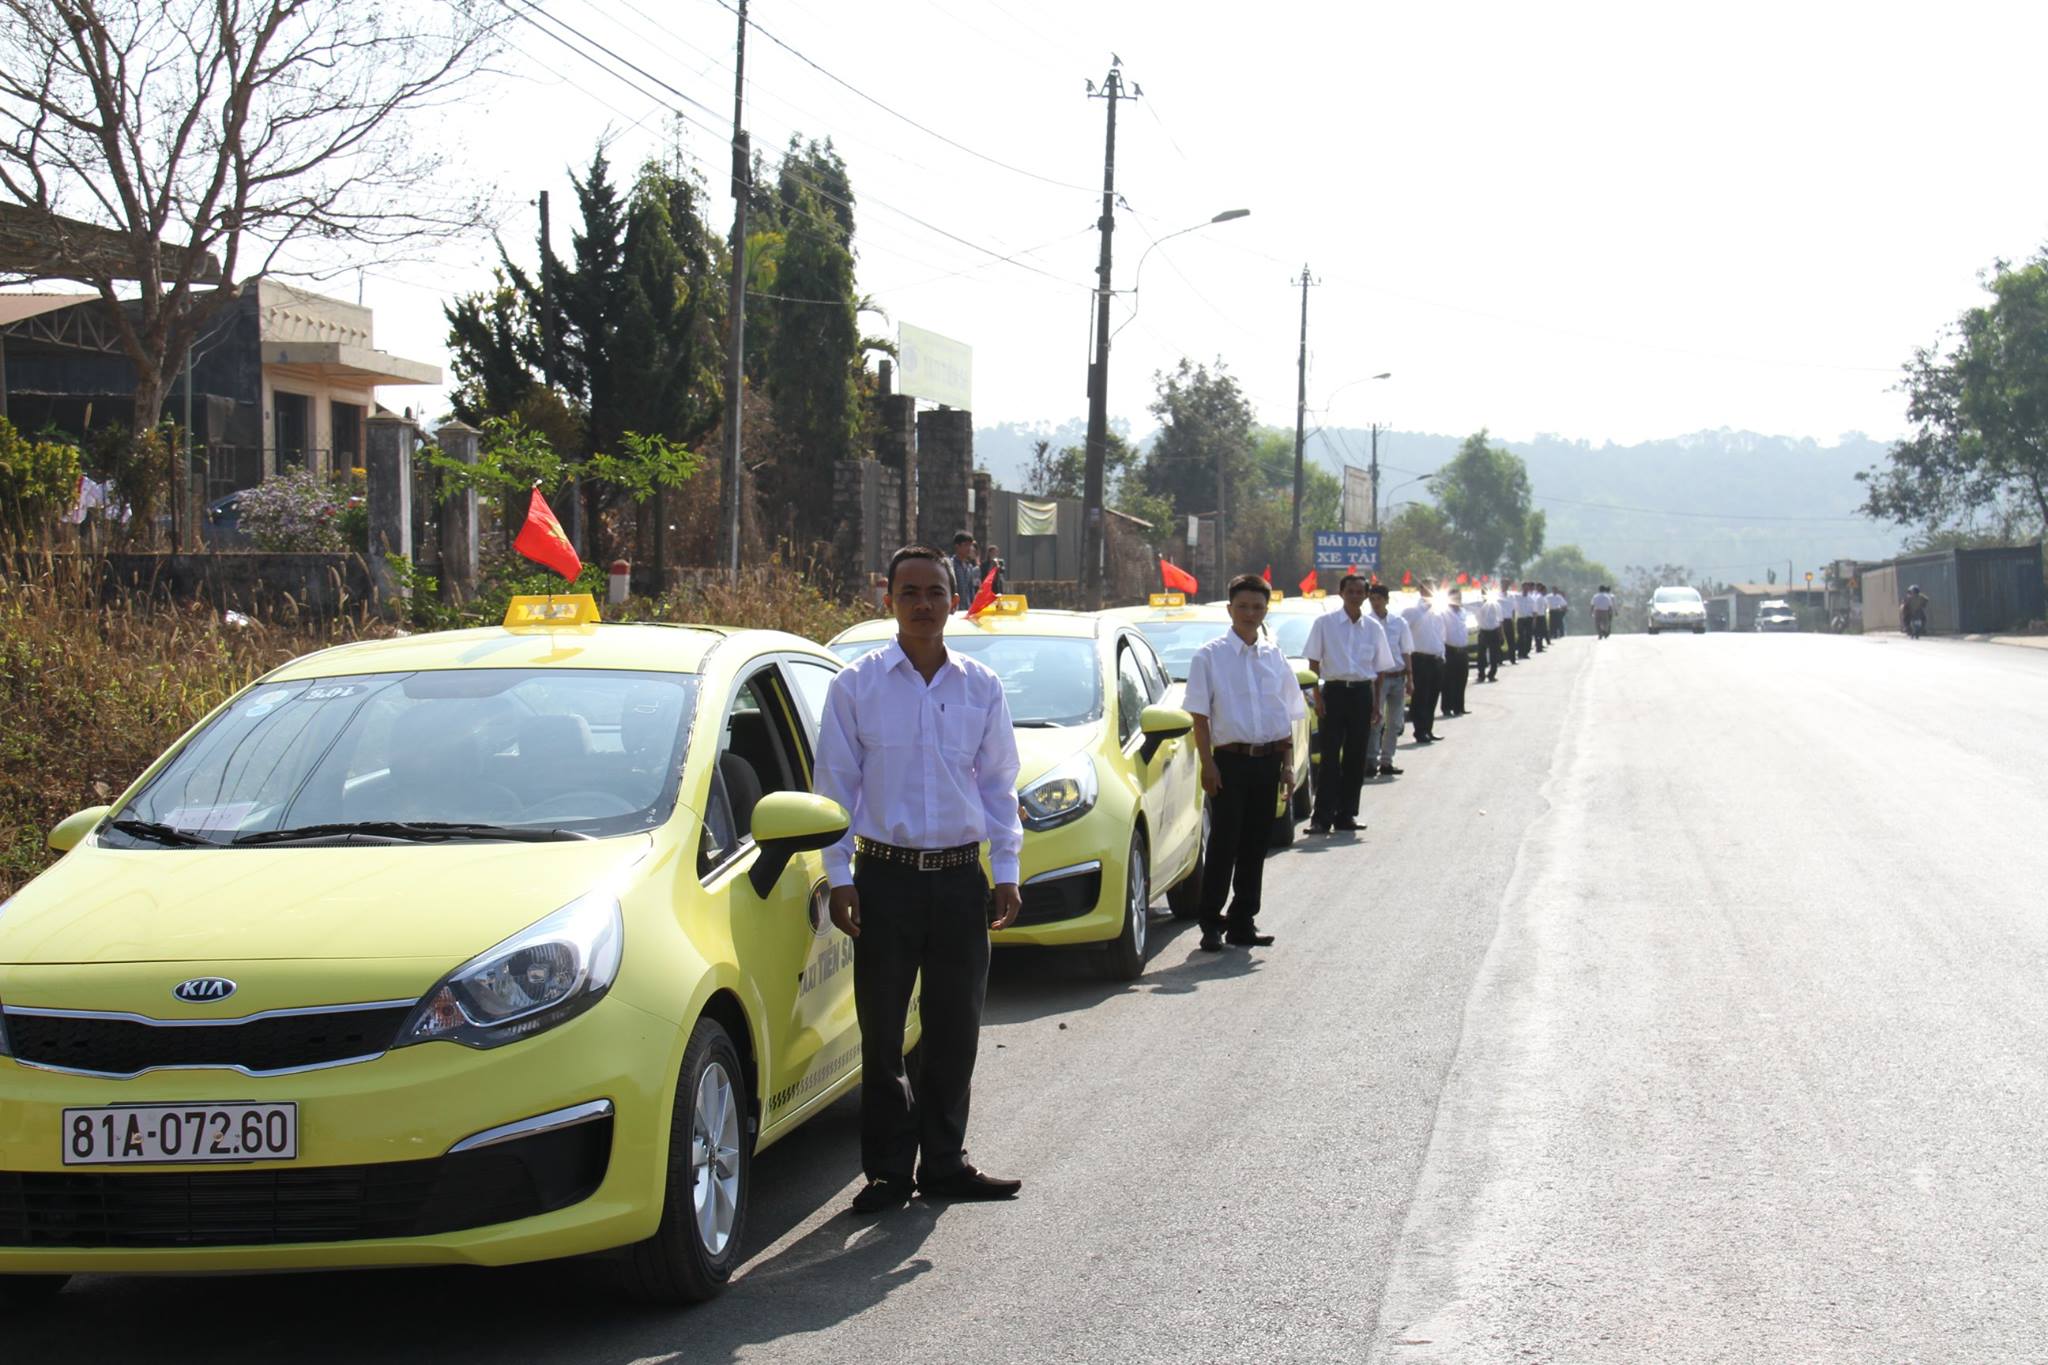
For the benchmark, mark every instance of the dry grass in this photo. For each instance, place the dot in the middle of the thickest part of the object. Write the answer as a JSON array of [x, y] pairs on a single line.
[[94, 690]]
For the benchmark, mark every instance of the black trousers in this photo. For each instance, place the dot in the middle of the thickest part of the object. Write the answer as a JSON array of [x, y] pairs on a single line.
[[1455, 675], [1429, 686], [1343, 735], [1540, 627], [1240, 828], [1557, 623], [1490, 651], [1525, 635], [937, 922]]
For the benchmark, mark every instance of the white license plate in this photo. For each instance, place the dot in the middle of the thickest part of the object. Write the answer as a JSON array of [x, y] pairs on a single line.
[[135, 1134]]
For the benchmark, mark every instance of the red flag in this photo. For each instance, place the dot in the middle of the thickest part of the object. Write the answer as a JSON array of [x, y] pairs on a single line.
[[1267, 574], [985, 595], [1407, 579], [1308, 585], [543, 541], [1176, 578], [1461, 580]]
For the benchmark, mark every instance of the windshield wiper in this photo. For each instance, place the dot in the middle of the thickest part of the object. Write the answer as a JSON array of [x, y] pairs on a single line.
[[415, 831], [162, 834], [1037, 725]]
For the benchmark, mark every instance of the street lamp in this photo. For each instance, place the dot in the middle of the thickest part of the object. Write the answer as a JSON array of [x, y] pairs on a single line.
[[1138, 275], [1098, 405]]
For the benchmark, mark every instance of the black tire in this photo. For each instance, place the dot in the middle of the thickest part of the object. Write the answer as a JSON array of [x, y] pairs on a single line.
[[1699, 630], [1184, 897], [1652, 630], [675, 1265], [1305, 798], [1126, 955], [1283, 828], [25, 1293]]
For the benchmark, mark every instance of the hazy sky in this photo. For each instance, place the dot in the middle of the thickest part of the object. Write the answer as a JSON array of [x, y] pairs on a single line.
[[1608, 221]]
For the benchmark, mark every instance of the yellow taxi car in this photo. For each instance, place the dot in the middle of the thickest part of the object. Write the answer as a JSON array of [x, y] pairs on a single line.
[[1177, 628], [489, 946], [1109, 788]]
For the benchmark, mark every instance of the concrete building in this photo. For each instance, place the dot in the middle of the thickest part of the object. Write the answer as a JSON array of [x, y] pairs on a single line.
[[283, 379]]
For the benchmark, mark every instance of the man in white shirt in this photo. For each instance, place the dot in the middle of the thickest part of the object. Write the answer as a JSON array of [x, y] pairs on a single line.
[[1539, 615], [1395, 683], [1245, 699], [1348, 650], [1525, 619], [1603, 611], [1425, 664], [1457, 635], [917, 745], [1490, 648], [1556, 602]]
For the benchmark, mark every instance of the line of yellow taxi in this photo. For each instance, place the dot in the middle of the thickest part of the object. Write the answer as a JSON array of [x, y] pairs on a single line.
[[511, 944]]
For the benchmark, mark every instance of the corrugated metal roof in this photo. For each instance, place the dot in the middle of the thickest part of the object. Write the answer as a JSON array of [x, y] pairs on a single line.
[[20, 307]]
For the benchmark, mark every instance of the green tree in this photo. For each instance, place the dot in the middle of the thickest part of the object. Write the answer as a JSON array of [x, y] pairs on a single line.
[[1566, 568], [1418, 541], [812, 367], [1061, 473], [1204, 421], [1484, 494], [1978, 402]]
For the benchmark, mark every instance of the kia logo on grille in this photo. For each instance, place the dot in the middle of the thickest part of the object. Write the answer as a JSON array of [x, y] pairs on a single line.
[[203, 990]]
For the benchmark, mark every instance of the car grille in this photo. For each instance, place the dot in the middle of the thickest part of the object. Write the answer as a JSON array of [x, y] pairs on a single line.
[[1062, 898], [219, 1208], [110, 1046]]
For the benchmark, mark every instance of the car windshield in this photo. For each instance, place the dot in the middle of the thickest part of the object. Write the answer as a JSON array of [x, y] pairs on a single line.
[[1176, 641], [849, 650], [586, 751], [1677, 595], [1047, 680]]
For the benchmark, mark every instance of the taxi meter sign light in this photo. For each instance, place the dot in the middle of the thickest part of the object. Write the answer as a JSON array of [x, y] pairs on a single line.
[[1167, 599], [572, 609]]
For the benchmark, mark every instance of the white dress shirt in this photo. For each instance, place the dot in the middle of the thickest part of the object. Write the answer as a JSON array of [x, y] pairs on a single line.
[[1400, 640], [1426, 623], [1489, 614], [1346, 650], [1603, 601], [1456, 633], [920, 765], [1555, 601], [1248, 692], [1517, 605]]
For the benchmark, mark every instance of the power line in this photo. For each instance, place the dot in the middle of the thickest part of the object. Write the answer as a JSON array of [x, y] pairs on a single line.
[[898, 114]]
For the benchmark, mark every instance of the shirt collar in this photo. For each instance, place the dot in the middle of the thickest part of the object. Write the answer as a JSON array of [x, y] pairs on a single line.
[[894, 658]]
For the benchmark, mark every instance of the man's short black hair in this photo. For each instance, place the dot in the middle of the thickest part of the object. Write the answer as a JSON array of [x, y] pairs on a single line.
[[1377, 590], [963, 538], [1250, 582], [917, 552], [1348, 579]]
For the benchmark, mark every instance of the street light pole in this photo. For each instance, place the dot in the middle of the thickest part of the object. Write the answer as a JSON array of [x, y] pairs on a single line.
[[1300, 425]]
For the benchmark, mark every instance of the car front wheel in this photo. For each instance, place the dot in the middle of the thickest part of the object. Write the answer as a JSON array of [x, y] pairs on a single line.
[[1127, 950], [1184, 897], [20, 1293], [710, 1168]]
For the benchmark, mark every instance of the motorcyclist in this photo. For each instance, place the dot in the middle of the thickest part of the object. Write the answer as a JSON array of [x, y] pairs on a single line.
[[1913, 611]]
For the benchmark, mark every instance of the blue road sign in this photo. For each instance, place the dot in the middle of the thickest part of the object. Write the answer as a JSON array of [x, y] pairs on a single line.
[[1341, 549]]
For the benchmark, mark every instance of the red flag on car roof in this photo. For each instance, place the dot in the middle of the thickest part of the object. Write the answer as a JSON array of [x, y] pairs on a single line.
[[1175, 577], [985, 595], [1407, 579], [1267, 574], [1308, 585], [1461, 580], [543, 541]]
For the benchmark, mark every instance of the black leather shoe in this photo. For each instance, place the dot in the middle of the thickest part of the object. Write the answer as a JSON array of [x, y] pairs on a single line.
[[1210, 944], [880, 1196], [1314, 828], [1389, 770], [1347, 827], [1249, 940], [968, 1183]]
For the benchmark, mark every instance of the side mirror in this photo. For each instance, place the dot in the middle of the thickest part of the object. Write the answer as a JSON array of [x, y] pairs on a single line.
[[786, 824], [72, 828], [1307, 677], [1159, 724]]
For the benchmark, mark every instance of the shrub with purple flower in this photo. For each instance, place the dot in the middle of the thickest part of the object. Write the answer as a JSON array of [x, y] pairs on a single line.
[[296, 512]]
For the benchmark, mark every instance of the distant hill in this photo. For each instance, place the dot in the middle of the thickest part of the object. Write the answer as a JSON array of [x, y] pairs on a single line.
[[1727, 504]]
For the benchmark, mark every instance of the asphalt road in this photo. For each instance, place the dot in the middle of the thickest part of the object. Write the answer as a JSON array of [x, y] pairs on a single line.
[[1685, 1004]]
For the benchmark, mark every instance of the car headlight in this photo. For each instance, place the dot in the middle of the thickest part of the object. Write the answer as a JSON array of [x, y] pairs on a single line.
[[1061, 796], [547, 973]]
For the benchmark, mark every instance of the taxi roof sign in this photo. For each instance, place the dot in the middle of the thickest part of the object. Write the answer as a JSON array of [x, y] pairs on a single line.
[[1007, 604], [568, 609], [1167, 599]]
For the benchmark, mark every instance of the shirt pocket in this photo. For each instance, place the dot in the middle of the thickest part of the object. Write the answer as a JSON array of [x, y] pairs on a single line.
[[960, 730]]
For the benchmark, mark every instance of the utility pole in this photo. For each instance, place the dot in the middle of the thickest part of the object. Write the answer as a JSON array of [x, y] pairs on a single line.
[[1373, 476], [1300, 421], [736, 304], [1098, 370]]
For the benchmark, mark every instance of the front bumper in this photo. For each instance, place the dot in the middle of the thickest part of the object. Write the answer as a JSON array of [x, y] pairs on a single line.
[[379, 1180], [1072, 879]]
